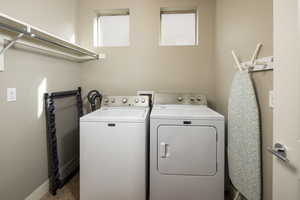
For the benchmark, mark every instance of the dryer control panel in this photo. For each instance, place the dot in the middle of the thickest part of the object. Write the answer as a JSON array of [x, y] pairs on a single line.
[[116, 101], [180, 99]]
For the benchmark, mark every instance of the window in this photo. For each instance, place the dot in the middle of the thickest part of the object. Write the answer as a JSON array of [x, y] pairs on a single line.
[[112, 28], [178, 27]]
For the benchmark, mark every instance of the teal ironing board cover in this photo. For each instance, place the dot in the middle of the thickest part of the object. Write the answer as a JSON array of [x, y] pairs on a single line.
[[244, 137]]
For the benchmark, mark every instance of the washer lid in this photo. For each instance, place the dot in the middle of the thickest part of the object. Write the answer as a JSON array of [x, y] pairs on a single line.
[[184, 111], [117, 114]]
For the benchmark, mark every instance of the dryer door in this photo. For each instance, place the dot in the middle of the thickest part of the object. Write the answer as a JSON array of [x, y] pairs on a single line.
[[187, 150]]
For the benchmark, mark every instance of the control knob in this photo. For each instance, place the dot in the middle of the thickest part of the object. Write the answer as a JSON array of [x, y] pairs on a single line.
[[124, 100], [137, 100], [106, 100], [143, 100], [179, 99]]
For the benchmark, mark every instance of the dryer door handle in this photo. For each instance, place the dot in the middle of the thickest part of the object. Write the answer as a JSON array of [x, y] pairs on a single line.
[[163, 150]]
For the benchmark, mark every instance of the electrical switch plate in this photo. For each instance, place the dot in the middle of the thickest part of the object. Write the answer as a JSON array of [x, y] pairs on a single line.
[[11, 94], [102, 56], [271, 99]]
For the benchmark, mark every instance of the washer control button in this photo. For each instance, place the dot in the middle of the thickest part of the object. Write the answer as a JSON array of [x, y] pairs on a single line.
[[143, 100], [106, 100], [180, 99], [192, 99], [199, 99], [113, 100], [137, 100], [124, 100]]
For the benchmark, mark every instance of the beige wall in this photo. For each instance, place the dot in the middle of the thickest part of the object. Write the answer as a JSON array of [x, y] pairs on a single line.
[[240, 26], [23, 150], [207, 68], [145, 65]]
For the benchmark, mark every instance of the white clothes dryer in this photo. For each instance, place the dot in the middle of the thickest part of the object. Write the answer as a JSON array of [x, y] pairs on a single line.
[[186, 149]]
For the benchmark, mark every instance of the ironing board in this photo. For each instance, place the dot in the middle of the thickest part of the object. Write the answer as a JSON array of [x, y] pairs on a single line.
[[244, 137]]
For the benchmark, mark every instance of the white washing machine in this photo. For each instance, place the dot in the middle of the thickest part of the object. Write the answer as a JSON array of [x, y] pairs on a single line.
[[113, 150], [186, 149]]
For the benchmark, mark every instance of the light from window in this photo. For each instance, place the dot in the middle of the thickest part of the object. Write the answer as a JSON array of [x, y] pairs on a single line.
[[178, 28], [113, 29]]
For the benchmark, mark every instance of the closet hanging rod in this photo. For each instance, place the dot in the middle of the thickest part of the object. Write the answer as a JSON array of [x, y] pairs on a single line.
[[10, 24]]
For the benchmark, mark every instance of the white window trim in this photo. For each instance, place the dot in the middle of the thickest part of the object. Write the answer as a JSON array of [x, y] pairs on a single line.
[[110, 12], [180, 11]]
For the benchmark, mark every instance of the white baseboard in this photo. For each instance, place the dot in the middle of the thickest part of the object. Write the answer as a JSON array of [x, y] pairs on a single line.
[[39, 192]]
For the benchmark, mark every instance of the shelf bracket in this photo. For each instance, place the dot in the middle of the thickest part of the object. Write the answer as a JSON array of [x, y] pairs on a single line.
[[5, 48]]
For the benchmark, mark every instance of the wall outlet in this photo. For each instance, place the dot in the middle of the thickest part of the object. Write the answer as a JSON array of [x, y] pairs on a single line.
[[149, 93], [11, 94], [271, 99]]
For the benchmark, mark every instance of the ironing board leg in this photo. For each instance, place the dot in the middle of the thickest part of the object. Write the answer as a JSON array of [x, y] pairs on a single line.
[[237, 196]]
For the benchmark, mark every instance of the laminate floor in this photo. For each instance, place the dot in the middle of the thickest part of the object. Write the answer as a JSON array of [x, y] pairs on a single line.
[[70, 191]]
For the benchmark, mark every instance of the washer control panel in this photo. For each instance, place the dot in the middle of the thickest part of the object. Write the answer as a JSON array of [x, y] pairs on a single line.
[[125, 101], [180, 98]]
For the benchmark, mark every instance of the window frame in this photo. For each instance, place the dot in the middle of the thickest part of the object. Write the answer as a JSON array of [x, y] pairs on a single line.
[[97, 25], [179, 11]]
